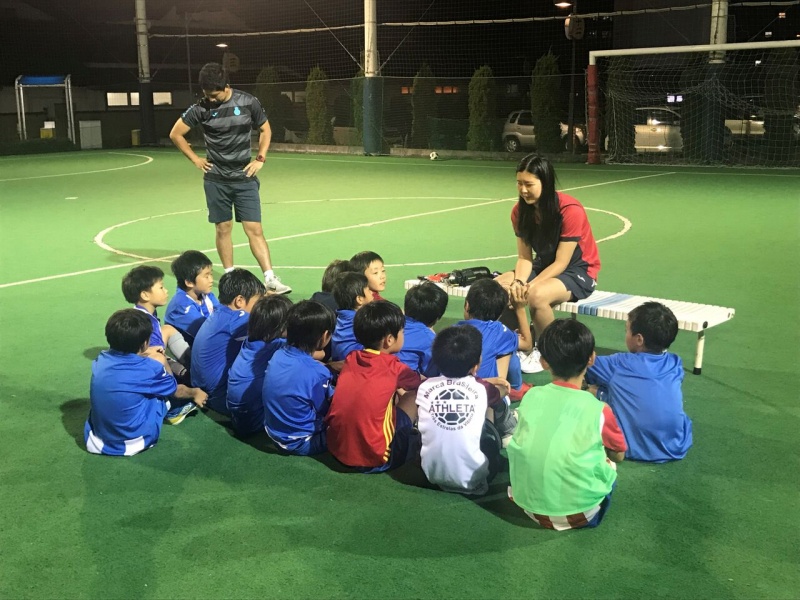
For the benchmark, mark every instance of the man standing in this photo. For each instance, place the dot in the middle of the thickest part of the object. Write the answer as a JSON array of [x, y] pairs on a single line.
[[227, 116]]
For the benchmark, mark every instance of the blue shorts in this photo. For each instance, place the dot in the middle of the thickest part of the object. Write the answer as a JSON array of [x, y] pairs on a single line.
[[315, 444], [575, 279], [403, 447], [241, 196]]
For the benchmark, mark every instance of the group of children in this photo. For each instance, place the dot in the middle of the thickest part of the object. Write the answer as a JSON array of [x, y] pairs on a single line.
[[351, 373]]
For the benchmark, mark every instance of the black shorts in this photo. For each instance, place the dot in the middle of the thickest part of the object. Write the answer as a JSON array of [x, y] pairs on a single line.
[[241, 196], [575, 279]]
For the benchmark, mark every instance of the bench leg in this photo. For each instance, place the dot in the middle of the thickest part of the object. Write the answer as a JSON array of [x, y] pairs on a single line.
[[698, 354]]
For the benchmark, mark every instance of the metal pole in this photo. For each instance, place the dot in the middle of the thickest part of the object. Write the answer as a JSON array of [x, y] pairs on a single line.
[[719, 29], [18, 98], [70, 109], [148, 126], [571, 118], [188, 55], [594, 54], [373, 84]]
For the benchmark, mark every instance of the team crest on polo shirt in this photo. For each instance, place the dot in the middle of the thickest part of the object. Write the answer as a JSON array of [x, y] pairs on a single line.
[[236, 111], [452, 408]]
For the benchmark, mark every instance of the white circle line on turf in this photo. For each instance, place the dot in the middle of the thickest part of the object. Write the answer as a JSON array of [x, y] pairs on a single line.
[[142, 260], [148, 160]]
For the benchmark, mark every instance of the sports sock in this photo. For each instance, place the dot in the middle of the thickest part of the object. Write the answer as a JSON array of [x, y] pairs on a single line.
[[269, 274], [177, 345], [229, 269]]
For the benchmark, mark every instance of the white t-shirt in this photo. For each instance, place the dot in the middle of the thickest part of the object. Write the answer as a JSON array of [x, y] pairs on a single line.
[[451, 416]]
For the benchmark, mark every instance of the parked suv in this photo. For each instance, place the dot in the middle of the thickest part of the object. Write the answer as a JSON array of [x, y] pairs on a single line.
[[518, 133]]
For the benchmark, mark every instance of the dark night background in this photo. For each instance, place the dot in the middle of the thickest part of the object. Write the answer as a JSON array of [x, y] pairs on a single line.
[[95, 40]]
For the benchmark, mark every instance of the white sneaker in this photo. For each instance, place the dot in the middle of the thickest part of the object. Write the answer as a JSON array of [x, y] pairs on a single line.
[[530, 363], [274, 286]]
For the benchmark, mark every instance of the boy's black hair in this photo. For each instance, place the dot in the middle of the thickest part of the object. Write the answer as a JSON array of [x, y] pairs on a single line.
[[362, 260], [239, 282], [487, 299], [140, 279], [188, 266], [457, 349], [656, 323], [127, 330], [213, 77], [376, 320], [426, 303], [348, 287], [268, 318], [567, 346], [306, 322], [332, 272]]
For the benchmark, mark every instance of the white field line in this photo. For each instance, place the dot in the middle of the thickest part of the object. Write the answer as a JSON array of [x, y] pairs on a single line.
[[148, 160], [144, 259]]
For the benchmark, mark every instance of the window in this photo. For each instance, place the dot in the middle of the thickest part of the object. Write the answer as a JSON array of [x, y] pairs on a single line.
[[117, 98], [525, 118], [134, 98], [162, 98], [405, 90]]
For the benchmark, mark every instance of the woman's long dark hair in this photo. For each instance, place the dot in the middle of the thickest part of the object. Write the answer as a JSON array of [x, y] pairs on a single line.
[[545, 234]]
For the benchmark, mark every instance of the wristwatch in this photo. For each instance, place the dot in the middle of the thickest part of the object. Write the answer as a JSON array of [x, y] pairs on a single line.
[[260, 158]]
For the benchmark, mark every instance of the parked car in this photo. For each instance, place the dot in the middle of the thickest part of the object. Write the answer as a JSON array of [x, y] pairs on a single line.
[[658, 129], [518, 132]]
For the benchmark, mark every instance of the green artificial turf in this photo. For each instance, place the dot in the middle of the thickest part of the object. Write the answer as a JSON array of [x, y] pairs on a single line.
[[203, 514]]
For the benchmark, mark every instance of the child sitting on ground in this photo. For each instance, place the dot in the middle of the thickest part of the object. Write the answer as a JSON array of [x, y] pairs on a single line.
[[143, 286], [332, 272], [371, 265], [297, 388], [373, 411], [130, 388], [460, 445], [643, 387], [194, 300], [485, 302], [266, 334], [351, 292], [220, 338], [424, 306], [561, 454]]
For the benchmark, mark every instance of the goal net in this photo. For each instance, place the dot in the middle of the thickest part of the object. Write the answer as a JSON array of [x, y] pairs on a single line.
[[736, 106]]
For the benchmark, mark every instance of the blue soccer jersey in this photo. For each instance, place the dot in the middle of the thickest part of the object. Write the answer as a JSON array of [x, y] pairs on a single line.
[[215, 348], [498, 340], [297, 393], [186, 315], [156, 339], [416, 351], [245, 382], [344, 339], [128, 402], [644, 391]]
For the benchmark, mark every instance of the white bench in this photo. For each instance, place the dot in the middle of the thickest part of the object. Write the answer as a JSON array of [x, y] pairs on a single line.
[[610, 305]]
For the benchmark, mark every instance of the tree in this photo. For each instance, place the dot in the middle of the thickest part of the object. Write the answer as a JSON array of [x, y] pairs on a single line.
[[482, 134], [320, 129], [423, 106], [357, 102], [545, 98], [275, 104]]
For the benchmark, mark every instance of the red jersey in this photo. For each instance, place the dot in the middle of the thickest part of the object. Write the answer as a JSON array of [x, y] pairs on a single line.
[[362, 416], [574, 228]]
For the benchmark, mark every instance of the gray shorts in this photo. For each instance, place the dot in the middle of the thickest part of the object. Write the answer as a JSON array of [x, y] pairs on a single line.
[[222, 198]]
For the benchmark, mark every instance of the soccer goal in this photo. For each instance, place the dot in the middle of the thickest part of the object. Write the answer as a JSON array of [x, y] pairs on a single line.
[[736, 104]]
